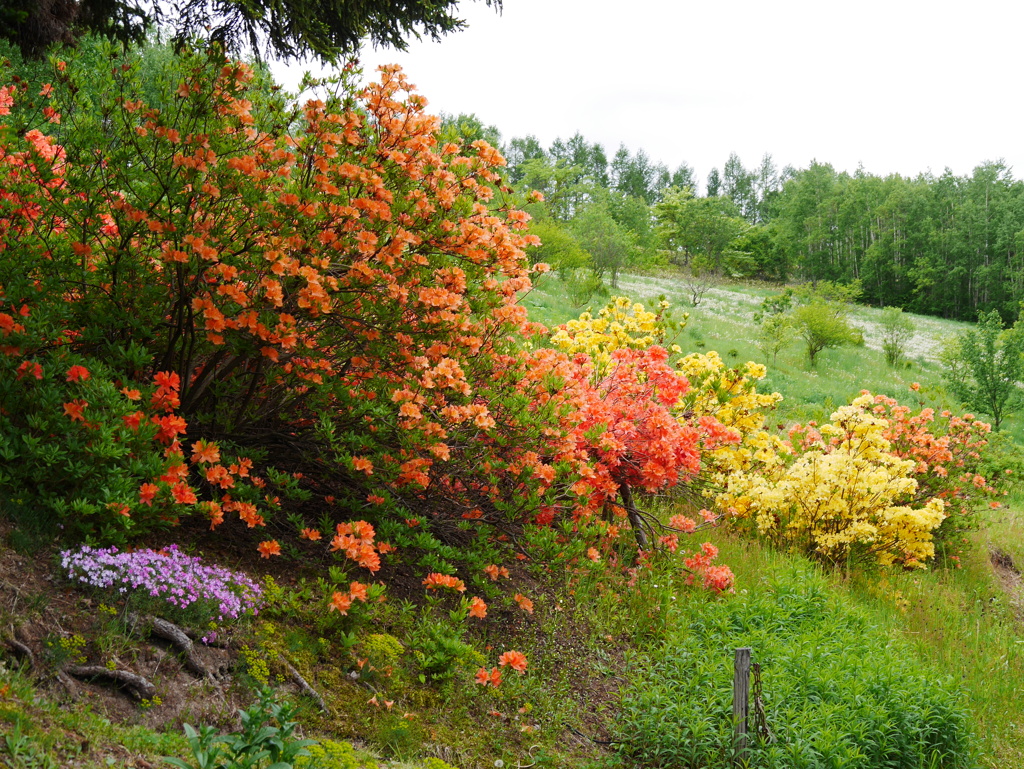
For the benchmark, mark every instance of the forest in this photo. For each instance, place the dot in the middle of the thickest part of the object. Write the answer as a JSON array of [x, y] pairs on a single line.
[[945, 246]]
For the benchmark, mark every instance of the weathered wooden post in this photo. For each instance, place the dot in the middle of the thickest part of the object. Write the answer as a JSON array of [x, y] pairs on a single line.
[[740, 702]]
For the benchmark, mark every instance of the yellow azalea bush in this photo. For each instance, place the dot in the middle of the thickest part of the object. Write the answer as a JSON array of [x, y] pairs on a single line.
[[730, 395], [835, 494], [621, 325]]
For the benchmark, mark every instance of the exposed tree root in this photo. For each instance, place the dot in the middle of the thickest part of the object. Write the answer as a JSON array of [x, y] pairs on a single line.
[[21, 651], [303, 684], [161, 628], [133, 682]]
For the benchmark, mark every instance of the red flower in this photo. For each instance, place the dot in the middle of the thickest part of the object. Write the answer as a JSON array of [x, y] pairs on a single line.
[[75, 408], [30, 369], [78, 374]]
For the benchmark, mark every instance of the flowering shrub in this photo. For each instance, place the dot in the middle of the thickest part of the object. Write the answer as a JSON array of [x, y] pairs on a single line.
[[947, 452], [839, 493], [627, 426], [716, 578], [172, 578], [621, 324], [332, 288], [730, 396]]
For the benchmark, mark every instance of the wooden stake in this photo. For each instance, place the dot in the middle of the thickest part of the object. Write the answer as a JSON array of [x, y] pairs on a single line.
[[740, 702]]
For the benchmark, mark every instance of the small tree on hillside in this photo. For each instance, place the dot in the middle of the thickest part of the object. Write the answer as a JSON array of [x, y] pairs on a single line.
[[897, 330], [823, 325], [822, 317], [610, 245], [994, 362], [773, 336], [774, 326]]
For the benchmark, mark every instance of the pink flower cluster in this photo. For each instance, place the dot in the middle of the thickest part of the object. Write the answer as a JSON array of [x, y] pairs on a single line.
[[169, 574]]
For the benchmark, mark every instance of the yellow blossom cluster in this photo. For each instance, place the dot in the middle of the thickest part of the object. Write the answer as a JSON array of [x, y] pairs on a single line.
[[835, 494], [730, 395], [621, 324]]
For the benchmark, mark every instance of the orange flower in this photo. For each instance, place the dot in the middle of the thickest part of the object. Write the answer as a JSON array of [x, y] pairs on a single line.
[[490, 677], [311, 534], [168, 379], [515, 660], [477, 608], [492, 572], [269, 548], [146, 493], [340, 602], [247, 512], [524, 603], [362, 464], [204, 451], [436, 580], [683, 523], [357, 591], [74, 409], [183, 494], [363, 530], [132, 421]]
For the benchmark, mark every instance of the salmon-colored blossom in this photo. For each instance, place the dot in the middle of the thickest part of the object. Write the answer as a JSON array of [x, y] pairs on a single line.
[[436, 581], [513, 659], [269, 548], [477, 608]]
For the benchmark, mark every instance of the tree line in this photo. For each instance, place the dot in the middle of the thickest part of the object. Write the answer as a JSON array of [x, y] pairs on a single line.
[[944, 245]]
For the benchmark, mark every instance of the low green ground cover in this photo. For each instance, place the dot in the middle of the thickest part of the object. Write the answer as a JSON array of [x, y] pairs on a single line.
[[839, 690]]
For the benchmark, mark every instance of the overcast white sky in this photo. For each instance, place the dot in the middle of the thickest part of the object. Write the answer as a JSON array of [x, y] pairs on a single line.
[[893, 85]]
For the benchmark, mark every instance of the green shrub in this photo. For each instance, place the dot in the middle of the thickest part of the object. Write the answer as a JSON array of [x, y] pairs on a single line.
[[333, 755], [382, 650]]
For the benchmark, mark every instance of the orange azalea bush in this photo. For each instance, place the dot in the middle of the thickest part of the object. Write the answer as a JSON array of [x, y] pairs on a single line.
[[948, 453], [331, 288]]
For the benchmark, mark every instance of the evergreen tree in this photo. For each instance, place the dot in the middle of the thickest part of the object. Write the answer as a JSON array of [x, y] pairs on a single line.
[[324, 28]]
